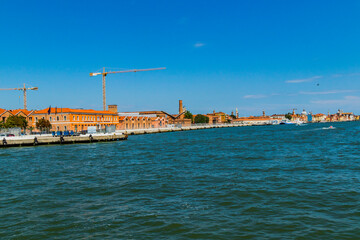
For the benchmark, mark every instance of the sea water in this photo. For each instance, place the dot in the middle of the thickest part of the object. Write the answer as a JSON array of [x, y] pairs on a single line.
[[281, 182]]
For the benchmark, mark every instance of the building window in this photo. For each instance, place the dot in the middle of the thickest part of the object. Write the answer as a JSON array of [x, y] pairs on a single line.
[[78, 118], [65, 128], [57, 118], [50, 119], [64, 118], [36, 119]]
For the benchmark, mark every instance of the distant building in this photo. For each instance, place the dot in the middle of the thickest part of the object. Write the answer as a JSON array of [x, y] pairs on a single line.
[[218, 117], [280, 117], [319, 117], [254, 120], [180, 119], [347, 116], [341, 116], [173, 119], [5, 114], [152, 119], [136, 120], [63, 119]]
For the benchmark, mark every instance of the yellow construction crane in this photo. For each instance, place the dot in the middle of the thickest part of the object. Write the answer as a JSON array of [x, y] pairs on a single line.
[[24, 89], [104, 73]]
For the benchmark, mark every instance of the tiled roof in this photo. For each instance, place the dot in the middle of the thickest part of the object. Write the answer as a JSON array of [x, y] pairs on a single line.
[[70, 110], [221, 113], [17, 111], [2, 111], [252, 119]]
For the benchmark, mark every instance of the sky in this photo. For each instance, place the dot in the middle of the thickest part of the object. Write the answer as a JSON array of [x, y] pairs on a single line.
[[219, 55]]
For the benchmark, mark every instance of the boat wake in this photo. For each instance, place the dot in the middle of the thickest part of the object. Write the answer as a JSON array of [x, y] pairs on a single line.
[[331, 127]]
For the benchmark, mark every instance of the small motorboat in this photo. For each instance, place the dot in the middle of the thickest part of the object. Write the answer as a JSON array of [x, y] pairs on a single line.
[[286, 122], [298, 123], [331, 127]]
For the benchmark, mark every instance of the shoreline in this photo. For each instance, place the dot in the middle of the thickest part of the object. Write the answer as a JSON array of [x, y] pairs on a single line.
[[177, 129], [48, 139], [36, 140]]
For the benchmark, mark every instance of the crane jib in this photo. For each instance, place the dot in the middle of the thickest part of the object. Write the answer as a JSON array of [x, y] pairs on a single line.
[[104, 73]]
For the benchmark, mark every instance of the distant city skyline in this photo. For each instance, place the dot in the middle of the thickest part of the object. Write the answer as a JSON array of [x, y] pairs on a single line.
[[253, 56]]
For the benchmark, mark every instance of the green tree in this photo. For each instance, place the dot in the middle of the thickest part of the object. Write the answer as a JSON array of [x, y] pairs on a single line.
[[43, 124], [201, 119], [233, 116], [188, 115], [288, 116], [16, 121]]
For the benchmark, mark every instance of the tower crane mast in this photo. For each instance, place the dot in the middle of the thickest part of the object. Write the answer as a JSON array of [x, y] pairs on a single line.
[[24, 89]]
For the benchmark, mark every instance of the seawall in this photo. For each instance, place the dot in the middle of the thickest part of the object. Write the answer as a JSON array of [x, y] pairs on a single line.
[[35, 140], [174, 129]]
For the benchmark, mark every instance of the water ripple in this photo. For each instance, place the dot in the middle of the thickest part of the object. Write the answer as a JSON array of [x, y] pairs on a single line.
[[280, 182]]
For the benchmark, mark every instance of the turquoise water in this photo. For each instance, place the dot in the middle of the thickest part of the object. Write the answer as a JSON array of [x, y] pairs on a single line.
[[280, 182]]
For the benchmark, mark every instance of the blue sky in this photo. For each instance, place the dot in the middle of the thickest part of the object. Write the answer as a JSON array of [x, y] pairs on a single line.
[[219, 55]]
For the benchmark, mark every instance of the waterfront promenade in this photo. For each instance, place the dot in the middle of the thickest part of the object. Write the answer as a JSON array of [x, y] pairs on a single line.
[[47, 139], [176, 129]]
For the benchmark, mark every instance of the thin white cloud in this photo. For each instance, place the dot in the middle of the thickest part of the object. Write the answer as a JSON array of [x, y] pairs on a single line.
[[327, 92], [255, 96], [347, 100], [337, 75], [354, 74], [199, 44], [303, 80]]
